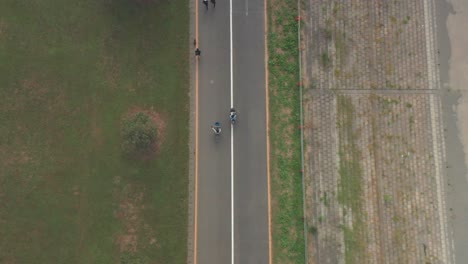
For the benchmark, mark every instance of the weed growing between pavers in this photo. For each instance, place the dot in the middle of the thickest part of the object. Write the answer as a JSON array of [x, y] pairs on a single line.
[[350, 185]]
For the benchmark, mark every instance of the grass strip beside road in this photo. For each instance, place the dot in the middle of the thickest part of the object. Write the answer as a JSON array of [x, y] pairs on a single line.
[[286, 184]]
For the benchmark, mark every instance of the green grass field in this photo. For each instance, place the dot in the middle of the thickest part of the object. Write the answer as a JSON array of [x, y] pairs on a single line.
[[69, 71]]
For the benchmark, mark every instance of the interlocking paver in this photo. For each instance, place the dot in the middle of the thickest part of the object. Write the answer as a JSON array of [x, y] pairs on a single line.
[[374, 147]]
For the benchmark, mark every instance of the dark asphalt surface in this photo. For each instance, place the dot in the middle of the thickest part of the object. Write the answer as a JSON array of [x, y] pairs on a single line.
[[250, 171]]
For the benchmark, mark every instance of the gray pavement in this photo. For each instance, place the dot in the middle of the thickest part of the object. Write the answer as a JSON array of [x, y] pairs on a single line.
[[251, 204], [452, 19], [214, 205], [214, 187]]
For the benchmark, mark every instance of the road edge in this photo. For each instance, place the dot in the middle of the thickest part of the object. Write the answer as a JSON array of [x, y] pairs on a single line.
[[193, 138], [267, 125]]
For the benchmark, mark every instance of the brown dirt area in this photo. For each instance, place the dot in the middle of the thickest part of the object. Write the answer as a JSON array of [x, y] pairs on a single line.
[[136, 234]]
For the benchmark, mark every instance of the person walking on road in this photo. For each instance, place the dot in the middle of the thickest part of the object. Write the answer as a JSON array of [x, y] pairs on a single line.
[[197, 52], [214, 3], [205, 2]]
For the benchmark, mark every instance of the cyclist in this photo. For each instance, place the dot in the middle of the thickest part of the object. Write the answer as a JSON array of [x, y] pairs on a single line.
[[216, 128]]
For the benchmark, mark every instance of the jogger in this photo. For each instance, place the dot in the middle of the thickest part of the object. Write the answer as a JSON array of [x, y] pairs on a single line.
[[205, 2], [214, 3]]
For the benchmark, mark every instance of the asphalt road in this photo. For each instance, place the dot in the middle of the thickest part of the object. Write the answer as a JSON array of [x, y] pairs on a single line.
[[214, 153]]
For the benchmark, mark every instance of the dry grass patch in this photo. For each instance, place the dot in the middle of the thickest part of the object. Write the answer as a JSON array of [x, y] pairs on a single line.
[[136, 234]]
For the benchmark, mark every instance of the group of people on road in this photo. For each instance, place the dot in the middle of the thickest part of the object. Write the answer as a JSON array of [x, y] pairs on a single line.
[[232, 114], [205, 2], [217, 125]]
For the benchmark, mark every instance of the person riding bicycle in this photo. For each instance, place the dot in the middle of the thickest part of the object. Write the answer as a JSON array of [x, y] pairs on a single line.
[[216, 128], [233, 115]]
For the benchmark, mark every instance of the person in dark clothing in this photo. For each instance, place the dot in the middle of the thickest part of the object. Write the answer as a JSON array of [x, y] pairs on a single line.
[[216, 128], [205, 2], [214, 3], [197, 52], [233, 115]]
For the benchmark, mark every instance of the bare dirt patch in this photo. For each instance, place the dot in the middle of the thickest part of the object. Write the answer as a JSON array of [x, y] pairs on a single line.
[[136, 234], [14, 156]]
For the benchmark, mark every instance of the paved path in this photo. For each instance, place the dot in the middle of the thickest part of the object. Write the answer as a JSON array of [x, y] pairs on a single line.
[[249, 153], [251, 210], [452, 42], [376, 105]]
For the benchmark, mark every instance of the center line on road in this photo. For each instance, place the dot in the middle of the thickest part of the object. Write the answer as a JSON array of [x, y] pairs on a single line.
[[246, 7], [195, 217], [232, 139]]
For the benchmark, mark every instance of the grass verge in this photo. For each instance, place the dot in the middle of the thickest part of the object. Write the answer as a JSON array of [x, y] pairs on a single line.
[[286, 183], [69, 72]]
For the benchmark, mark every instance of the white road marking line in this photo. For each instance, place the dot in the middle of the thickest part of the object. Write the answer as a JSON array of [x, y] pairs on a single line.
[[232, 140], [246, 7], [232, 193], [195, 217]]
